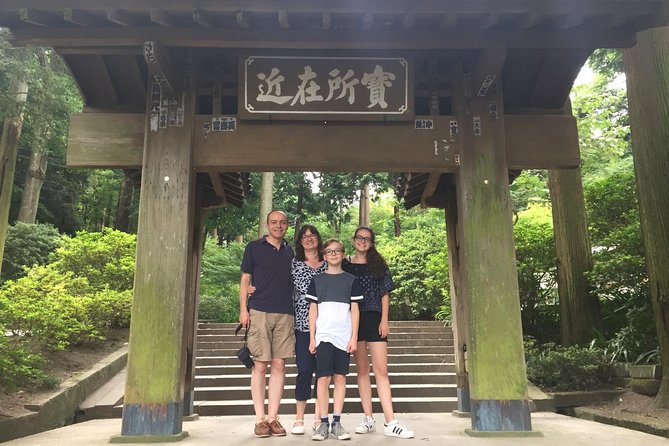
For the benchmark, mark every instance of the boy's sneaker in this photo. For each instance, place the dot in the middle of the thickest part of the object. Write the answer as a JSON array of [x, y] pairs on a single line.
[[397, 429], [337, 431], [321, 433], [366, 426]]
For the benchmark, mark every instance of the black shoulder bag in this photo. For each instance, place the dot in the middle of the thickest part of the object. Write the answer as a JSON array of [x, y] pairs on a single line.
[[244, 354]]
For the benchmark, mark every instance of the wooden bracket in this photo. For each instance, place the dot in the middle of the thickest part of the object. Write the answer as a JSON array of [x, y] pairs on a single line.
[[486, 72]]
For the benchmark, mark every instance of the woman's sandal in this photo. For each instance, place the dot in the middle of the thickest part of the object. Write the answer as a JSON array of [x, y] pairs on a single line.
[[298, 427]]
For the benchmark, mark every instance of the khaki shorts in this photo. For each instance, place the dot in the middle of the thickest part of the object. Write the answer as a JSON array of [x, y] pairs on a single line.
[[271, 336]]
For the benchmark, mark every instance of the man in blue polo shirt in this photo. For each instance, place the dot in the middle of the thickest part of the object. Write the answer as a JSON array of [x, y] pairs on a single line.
[[269, 317]]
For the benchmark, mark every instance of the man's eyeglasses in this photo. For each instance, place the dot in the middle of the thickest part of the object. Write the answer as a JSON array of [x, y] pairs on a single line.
[[308, 236], [332, 252], [363, 239]]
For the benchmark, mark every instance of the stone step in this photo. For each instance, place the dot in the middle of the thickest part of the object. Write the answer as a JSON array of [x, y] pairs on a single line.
[[351, 405], [392, 359], [395, 378], [416, 338], [398, 391], [429, 342], [392, 350], [392, 324], [397, 330], [239, 368]]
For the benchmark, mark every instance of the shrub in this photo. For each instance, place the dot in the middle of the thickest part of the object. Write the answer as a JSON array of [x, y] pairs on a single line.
[[45, 309], [219, 308], [559, 368], [106, 259], [27, 245], [18, 366], [221, 269]]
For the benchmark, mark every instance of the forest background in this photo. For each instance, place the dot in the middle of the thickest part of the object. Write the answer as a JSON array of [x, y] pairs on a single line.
[[68, 263]]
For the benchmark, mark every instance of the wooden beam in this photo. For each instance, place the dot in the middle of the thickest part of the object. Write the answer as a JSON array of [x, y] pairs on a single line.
[[161, 17], [430, 188], [367, 21], [327, 21], [283, 20], [95, 83], [201, 18], [526, 21], [447, 21], [408, 20], [121, 17], [80, 18], [124, 70], [568, 21], [216, 182], [322, 40], [116, 140], [242, 20], [36, 17], [488, 21], [588, 7]]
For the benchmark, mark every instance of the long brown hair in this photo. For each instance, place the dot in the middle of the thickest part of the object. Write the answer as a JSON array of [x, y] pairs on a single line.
[[375, 262], [299, 249]]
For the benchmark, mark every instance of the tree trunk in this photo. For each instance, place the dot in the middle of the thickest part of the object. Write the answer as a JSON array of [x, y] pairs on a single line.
[[647, 71], [396, 220], [363, 213], [300, 205], [9, 143], [35, 175], [580, 315], [125, 195], [266, 189]]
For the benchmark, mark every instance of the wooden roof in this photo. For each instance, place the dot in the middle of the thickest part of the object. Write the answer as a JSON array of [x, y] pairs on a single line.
[[546, 41]]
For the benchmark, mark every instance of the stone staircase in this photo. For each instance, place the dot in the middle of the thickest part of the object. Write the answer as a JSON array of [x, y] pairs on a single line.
[[420, 364]]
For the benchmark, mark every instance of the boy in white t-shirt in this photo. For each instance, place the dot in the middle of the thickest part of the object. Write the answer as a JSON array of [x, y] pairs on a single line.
[[333, 330]]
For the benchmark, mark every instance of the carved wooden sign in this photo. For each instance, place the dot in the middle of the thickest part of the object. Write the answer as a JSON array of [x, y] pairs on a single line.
[[345, 88]]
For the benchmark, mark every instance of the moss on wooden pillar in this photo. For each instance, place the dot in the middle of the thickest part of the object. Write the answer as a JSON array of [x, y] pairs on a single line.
[[154, 384], [496, 362]]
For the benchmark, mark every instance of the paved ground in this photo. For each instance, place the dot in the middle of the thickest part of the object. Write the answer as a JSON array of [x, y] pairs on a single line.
[[437, 429]]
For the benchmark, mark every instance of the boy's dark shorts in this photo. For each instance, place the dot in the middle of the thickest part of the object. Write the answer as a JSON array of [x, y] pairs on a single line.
[[368, 329], [331, 361]]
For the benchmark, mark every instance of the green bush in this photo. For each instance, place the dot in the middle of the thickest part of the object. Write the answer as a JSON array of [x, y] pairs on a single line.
[[27, 245], [536, 264], [219, 308], [18, 366], [106, 259], [417, 260], [557, 368]]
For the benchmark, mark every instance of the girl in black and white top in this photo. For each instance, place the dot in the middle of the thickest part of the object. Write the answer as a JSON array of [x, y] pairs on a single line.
[[371, 269]]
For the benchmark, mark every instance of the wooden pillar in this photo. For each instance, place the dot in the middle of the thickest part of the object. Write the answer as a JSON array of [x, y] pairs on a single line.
[[192, 306], [496, 362], [152, 408], [459, 305]]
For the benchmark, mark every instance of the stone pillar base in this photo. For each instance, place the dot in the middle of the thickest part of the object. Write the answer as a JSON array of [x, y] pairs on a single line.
[[148, 438]]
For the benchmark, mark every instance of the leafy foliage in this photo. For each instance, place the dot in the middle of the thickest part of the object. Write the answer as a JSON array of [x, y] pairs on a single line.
[[27, 245], [536, 264], [75, 299], [105, 259], [417, 260], [219, 281], [619, 275], [559, 368]]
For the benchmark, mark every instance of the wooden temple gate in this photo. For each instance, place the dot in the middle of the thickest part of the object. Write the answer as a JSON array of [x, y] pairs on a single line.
[[462, 94]]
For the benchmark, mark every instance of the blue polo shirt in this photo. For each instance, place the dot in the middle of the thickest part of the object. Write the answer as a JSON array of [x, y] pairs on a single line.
[[270, 274]]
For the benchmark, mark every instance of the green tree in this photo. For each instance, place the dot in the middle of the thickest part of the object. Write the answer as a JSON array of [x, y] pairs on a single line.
[[28, 245]]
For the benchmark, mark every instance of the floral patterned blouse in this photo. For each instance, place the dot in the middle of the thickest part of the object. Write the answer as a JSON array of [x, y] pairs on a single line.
[[302, 274]]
